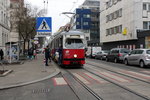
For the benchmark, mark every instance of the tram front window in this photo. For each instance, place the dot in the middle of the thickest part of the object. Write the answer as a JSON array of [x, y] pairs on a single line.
[[74, 43]]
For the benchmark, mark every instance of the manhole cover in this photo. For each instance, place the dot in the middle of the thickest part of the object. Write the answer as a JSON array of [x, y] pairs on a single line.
[[40, 90]]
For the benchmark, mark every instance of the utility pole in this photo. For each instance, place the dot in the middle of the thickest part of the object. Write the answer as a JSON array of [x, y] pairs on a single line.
[[45, 6]]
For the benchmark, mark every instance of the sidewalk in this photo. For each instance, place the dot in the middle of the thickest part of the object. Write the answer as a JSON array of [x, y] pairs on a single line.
[[27, 73]]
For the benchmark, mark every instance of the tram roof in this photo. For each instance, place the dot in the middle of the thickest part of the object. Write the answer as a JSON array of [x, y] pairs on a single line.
[[75, 32]]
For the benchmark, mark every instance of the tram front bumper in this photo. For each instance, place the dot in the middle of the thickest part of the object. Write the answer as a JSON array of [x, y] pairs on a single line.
[[74, 61]]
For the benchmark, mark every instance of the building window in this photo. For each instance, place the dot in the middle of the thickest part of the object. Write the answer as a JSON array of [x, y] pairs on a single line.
[[111, 3], [148, 7], [144, 6], [112, 30], [107, 18], [107, 6], [78, 23], [87, 38], [107, 32], [85, 23], [120, 29], [110, 17], [86, 16], [115, 14], [120, 13], [145, 25], [77, 15], [115, 30]]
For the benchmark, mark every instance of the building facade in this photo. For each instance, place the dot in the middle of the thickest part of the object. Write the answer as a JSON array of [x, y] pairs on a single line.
[[4, 23], [83, 21], [94, 6], [87, 19], [120, 20], [15, 6]]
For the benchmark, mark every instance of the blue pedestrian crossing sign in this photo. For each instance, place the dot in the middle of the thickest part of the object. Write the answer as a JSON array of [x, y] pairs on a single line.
[[44, 24]]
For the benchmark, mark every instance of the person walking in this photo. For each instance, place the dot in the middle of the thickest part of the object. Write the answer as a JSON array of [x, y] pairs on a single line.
[[60, 55], [47, 55], [30, 53], [35, 54], [1, 54]]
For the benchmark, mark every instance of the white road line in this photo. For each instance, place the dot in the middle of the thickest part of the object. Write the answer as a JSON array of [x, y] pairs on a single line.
[[98, 79], [148, 72], [112, 76], [139, 74], [59, 81], [81, 78]]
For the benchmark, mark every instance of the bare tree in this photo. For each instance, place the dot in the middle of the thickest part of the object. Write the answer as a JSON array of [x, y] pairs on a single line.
[[25, 22]]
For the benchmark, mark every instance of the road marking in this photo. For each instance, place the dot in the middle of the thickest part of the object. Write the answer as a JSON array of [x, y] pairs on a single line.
[[96, 78], [148, 72], [138, 74], [81, 78], [59, 81], [114, 77]]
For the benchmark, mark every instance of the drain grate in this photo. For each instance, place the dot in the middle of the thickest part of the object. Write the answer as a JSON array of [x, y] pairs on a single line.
[[35, 91]]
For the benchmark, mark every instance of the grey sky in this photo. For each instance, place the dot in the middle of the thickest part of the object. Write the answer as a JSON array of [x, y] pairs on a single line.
[[55, 8]]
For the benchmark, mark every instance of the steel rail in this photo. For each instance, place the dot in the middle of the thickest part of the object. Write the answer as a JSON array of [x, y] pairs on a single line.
[[120, 73], [82, 84], [123, 87]]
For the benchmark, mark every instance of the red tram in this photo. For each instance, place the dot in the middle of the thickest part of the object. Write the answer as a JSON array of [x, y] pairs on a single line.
[[73, 47]]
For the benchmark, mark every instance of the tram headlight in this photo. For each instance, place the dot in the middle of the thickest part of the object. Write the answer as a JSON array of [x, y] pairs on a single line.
[[75, 55]]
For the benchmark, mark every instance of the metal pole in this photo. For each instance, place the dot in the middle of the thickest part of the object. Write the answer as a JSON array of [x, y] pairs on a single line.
[[10, 53], [18, 50], [82, 23]]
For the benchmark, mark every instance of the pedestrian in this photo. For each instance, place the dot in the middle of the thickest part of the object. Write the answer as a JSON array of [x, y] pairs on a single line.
[[60, 55], [47, 55], [30, 53], [1, 54], [35, 54]]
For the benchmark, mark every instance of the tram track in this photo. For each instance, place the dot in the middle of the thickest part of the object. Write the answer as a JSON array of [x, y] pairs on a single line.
[[121, 86], [148, 82], [66, 73], [81, 83]]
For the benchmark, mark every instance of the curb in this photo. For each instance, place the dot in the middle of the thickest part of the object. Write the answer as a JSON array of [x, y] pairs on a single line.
[[7, 72], [57, 71]]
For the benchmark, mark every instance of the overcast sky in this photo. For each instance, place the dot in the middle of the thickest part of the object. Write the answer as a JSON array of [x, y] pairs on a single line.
[[55, 8]]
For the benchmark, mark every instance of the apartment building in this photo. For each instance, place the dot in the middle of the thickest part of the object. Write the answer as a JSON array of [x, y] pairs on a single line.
[[87, 19], [94, 6], [120, 20], [4, 23]]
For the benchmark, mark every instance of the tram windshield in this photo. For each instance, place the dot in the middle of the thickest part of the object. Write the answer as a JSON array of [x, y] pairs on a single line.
[[74, 43]]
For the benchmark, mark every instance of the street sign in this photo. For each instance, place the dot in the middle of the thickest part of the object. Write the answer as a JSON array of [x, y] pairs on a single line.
[[44, 24], [36, 42]]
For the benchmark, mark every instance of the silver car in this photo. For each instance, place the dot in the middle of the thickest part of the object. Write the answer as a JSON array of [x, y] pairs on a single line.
[[102, 54], [139, 57]]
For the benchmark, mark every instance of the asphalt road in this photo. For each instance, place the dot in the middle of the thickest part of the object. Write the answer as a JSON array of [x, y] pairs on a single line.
[[56, 89]]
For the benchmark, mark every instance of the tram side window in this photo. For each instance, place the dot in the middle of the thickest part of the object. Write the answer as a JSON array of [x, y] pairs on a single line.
[[74, 43]]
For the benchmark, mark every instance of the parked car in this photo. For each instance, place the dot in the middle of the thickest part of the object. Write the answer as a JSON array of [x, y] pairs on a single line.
[[139, 57], [117, 54], [102, 54], [92, 51]]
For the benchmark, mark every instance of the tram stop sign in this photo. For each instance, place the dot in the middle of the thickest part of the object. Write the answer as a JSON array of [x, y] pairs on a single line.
[[44, 26]]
